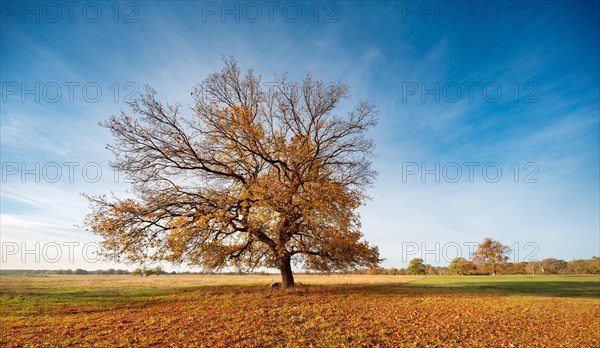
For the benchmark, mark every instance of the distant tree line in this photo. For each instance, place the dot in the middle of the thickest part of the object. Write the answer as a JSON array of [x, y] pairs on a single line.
[[77, 271], [158, 270], [489, 258], [416, 267], [462, 266], [545, 266], [458, 266], [140, 271]]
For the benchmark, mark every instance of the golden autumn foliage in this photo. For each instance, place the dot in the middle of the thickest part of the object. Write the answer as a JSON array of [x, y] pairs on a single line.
[[490, 254], [252, 178]]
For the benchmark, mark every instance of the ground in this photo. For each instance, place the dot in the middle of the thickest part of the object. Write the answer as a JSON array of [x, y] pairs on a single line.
[[230, 310]]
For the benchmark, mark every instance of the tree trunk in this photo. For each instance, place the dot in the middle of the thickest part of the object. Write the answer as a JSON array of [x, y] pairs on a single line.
[[287, 277]]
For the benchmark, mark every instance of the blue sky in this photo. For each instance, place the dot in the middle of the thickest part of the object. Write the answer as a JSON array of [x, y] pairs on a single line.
[[514, 84]]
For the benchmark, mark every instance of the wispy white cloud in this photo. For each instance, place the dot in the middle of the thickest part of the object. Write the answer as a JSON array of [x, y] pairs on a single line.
[[172, 49]]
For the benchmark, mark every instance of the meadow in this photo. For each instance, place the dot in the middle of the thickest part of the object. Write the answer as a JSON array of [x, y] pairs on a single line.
[[323, 310]]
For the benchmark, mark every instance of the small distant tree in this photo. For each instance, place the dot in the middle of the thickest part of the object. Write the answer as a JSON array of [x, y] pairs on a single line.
[[552, 266], [461, 266], [594, 265], [519, 268], [490, 254], [513, 268], [417, 267], [147, 271], [376, 270], [430, 270], [158, 270], [403, 271], [441, 270], [80, 271], [532, 267]]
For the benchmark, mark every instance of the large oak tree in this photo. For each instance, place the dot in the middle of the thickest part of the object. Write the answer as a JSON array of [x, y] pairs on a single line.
[[249, 178]]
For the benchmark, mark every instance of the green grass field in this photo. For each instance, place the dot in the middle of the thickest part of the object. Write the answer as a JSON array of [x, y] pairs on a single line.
[[230, 310]]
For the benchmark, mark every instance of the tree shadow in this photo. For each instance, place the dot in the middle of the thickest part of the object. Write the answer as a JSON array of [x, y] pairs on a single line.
[[552, 288], [588, 288], [110, 299]]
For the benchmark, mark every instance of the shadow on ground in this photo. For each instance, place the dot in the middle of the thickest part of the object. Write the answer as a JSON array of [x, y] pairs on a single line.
[[555, 288]]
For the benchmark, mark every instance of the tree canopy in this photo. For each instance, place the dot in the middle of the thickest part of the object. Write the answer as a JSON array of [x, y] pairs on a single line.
[[491, 253], [417, 267], [249, 178], [461, 266]]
